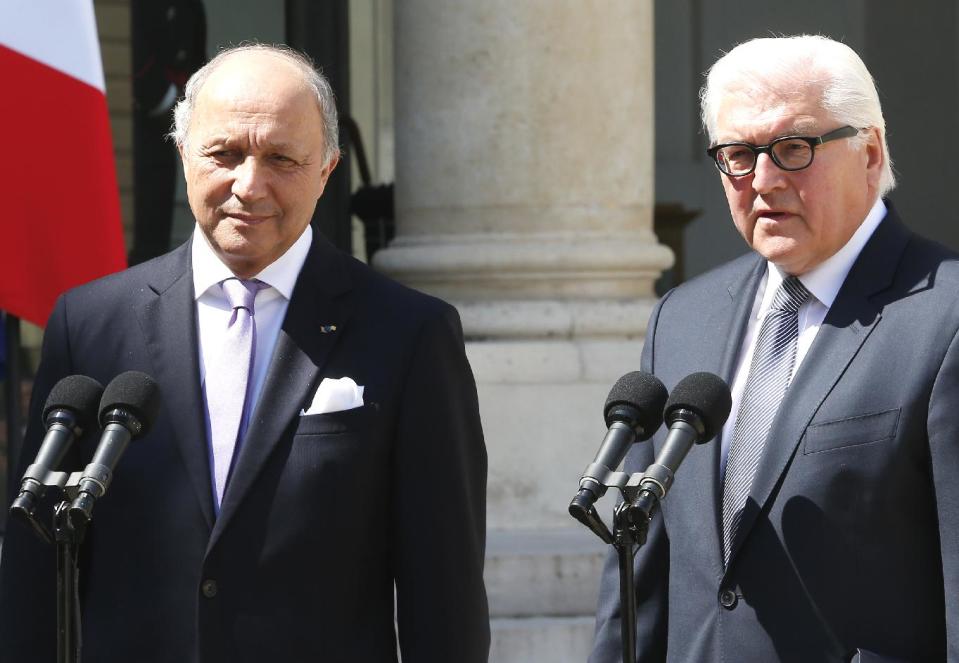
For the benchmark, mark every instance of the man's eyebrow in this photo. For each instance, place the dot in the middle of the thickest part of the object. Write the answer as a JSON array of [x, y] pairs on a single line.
[[274, 146], [802, 127], [216, 140], [282, 146]]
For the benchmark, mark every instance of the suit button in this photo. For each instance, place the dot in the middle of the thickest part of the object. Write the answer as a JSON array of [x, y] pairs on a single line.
[[208, 588], [728, 599]]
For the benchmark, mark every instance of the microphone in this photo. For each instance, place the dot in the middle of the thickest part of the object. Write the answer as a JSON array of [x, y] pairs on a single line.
[[127, 411], [695, 413], [70, 408], [633, 412]]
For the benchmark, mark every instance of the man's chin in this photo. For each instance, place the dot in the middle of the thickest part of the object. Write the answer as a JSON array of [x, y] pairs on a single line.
[[243, 259], [784, 252], [244, 221]]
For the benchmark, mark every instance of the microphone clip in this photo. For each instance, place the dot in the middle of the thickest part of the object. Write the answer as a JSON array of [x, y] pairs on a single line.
[[37, 480], [628, 523]]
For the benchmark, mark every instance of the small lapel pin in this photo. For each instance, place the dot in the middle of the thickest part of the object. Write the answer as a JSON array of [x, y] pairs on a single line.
[[327, 329]]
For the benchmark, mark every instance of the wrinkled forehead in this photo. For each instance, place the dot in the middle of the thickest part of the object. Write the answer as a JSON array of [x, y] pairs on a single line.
[[265, 96], [759, 108]]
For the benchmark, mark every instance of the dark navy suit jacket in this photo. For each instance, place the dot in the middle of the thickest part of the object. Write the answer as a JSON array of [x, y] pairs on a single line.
[[323, 513], [850, 537]]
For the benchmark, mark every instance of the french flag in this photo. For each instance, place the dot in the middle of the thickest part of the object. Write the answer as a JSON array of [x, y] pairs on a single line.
[[59, 203]]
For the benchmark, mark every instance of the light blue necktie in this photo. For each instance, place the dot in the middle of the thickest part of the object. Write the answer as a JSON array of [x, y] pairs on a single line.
[[228, 380]]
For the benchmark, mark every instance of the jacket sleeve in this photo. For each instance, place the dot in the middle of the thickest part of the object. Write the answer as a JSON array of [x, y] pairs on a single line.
[[943, 430], [28, 592], [650, 568], [439, 503]]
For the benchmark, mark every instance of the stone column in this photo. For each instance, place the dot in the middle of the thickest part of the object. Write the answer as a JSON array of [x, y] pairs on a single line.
[[524, 196]]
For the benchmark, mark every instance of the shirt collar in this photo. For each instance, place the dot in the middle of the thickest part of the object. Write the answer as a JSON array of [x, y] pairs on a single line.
[[281, 274], [825, 280]]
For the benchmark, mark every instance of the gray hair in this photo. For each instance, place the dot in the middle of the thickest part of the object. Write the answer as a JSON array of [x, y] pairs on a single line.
[[317, 82], [792, 66]]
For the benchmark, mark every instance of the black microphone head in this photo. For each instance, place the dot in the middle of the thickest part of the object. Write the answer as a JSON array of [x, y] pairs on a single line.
[[642, 392], [706, 395], [135, 392], [76, 393]]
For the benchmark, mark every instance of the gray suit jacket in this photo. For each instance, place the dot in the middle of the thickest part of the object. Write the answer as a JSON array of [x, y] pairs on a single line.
[[850, 537]]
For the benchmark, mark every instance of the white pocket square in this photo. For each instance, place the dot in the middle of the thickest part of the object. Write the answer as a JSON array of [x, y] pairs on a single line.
[[334, 396]]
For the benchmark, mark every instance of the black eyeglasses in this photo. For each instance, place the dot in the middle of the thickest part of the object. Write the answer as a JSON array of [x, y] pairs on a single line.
[[788, 152]]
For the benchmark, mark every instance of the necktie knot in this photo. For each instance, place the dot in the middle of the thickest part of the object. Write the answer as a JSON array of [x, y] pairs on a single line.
[[792, 294], [240, 293]]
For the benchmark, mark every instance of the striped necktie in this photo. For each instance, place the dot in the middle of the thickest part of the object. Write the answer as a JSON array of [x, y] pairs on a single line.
[[769, 375]]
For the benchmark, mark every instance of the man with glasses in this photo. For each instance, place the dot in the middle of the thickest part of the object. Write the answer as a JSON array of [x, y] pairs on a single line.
[[823, 522]]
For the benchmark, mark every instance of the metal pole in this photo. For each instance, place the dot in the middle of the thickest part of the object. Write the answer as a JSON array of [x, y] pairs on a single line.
[[12, 400], [627, 600], [627, 537], [68, 625]]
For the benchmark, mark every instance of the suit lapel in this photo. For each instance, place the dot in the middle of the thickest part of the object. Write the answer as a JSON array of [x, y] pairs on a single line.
[[724, 311], [852, 317], [167, 317], [302, 348], [730, 324]]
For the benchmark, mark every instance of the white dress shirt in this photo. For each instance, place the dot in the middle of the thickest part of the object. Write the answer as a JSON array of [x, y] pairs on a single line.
[[824, 283], [213, 310]]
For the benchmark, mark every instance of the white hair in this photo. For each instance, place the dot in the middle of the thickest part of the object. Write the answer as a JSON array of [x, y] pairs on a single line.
[[316, 81], [793, 67]]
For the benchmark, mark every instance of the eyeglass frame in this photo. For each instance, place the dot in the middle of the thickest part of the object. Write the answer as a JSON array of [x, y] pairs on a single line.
[[845, 131]]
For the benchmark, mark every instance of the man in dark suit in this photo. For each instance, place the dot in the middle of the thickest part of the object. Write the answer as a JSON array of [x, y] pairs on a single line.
[[362, 467], [823, 523]]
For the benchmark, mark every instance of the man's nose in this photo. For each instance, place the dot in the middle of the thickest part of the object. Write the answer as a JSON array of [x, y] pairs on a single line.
[[249, 182], [767, 176]]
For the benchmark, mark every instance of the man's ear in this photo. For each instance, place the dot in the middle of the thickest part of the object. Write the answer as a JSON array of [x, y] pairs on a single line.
[[183, 160], [326, 172], [875, 156]]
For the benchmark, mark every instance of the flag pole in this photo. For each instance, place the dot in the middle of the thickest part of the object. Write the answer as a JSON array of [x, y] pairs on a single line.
[[12, 397]]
